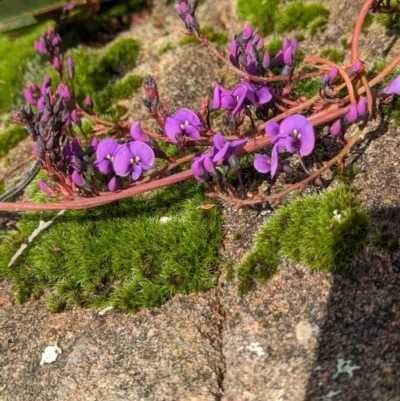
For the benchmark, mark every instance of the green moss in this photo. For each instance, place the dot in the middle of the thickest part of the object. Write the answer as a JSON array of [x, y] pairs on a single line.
[[297, 15], [346, 173], [317, 25], [277, 316], [259, 14], [344, 43], [165, 48], [119, 254], [387, 240], [98, 74], [220, 38], [273, 46], [10, 137], [306, 87], [17, 54], [388, 21], [332, 54], [324, 231]]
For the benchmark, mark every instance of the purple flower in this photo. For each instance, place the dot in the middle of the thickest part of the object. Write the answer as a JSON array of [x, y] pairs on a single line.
[[77, 178], [295, 133], [137, 133], [40, 46], [354, 69], [244, 95], [223, 99], [105, 152], [46, 85], [262, 163], [88, 101], [133, 158], [362, 108], [224, 150], [71, 68], [57, 64], [393, 88], [336, 128], [41, 103], [184, 122], [45, 187], [29, 97], [63, 90], [75, 118], [352, 115], [113, 185], [202, 167]]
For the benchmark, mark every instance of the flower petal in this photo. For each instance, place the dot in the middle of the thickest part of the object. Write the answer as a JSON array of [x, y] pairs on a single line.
[[272, 129], [122, 164], [262, 163], [172, 129], [137, 172], [144, 152], [137, 133], [105, 148]]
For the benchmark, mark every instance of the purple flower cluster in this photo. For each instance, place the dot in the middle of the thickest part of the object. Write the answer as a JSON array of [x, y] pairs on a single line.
[[204, 167], [241, 96], [246, 52], [184, 123], [126, 159], [186, 11], [295, 134]]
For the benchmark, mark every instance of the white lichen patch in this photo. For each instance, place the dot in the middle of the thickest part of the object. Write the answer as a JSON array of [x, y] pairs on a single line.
[[345, 367], [50, 354], [256, 349]]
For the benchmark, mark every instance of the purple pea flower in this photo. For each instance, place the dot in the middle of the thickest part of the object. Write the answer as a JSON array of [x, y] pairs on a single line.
[[63, 90], [105, 152], [71, 68], [223, 99], [354, 69], [352, 115], [75, 118], [41, 103], [203, 166], [263, 164], [29, 97], [295, 133], [336, 128], [113, 185], [362, 108], [40, 46], [184, 122], [392, 89], [244, 95], [88, 101], [225, 150], [133, 158], [57, 64], [137, 133]]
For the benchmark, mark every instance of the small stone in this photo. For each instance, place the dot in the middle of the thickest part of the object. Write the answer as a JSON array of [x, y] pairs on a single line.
[[305, 331]]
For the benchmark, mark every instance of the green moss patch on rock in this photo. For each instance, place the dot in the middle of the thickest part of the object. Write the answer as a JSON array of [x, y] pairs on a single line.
[[17, 54], [220, 38], [100, 75], [270, 18], [122, 255], [324, 231], [10, 138]]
